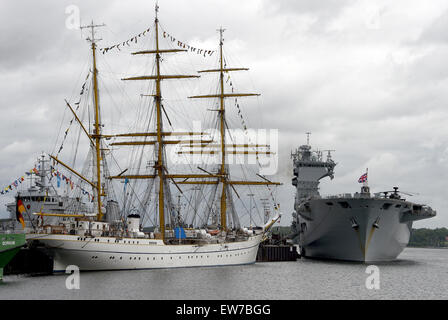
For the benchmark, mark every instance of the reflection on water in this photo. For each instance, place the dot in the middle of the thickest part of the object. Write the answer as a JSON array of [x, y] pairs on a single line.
[[417, 274]]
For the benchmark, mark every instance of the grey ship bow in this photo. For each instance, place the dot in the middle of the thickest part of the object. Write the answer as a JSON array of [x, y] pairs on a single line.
[[359, 227]]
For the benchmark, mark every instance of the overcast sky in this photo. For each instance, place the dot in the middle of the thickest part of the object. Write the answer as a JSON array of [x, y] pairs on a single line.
[[366, 78]]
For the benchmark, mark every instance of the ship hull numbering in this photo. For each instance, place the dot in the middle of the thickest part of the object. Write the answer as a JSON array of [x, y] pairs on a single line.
[[109, 253], [364, 230]]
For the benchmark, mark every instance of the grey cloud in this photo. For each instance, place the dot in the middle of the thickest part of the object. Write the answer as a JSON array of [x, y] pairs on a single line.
[[372, 95], [436, 31], [321, 8]]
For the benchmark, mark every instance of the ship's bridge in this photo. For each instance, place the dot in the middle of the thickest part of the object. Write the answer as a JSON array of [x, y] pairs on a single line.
[[309, 168]]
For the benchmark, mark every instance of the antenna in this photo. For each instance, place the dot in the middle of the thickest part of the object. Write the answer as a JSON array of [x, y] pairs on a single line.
[[251, 196], [329, 154], [308, 138], [266, 208], [92, 28], [221, 32]]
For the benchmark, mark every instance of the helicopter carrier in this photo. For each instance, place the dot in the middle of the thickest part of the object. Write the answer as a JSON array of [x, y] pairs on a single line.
[[361, 227]]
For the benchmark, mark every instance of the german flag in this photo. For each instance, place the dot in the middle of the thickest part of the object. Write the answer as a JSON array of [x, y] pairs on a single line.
[[20, 208]]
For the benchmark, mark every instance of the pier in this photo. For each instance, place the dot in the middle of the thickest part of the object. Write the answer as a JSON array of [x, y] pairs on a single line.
[[275, 252]]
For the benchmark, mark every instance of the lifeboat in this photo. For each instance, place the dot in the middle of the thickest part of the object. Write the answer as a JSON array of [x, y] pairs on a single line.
[[213, 232]]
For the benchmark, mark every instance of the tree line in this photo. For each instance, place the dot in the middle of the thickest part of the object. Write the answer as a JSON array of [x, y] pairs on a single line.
[[429, 237]]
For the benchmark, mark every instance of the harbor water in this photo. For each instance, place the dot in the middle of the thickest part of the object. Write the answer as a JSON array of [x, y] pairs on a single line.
[[417, 274]]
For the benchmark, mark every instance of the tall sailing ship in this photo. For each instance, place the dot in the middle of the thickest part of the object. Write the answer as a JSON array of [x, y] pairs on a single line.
[[99, 241]]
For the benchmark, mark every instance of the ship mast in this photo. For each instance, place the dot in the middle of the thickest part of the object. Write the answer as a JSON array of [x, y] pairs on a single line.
[[223, 174], [223, 135], [96, 133], [159, 134], [95, 138], [159, 163]]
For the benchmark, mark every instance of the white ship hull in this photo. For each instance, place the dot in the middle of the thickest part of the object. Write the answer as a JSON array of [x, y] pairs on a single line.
[[104, 253], [363, 231]]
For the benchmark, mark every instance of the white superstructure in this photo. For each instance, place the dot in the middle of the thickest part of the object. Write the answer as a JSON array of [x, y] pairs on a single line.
[[101, 252]]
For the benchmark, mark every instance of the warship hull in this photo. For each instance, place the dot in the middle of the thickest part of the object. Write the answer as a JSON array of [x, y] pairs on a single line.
[[109, 253], [364, 230]]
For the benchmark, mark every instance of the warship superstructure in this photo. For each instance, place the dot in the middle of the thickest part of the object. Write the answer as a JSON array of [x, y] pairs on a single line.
[[42, 195], [354, 227]]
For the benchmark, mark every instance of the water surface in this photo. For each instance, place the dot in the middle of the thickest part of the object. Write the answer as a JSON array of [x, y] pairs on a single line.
[[417, 274]]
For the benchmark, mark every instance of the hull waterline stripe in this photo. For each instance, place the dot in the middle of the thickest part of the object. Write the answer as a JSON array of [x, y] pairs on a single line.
[[198, 266], [167, 253]]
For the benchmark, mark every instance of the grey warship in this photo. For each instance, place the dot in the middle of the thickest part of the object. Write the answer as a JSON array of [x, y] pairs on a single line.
[[360, 227], [41, 196]]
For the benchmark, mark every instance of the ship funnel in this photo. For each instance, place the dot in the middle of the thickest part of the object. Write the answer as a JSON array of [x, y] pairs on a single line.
[[133, 223]]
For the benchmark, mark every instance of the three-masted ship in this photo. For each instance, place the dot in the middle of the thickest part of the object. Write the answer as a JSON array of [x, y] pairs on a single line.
[[93, 242]]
